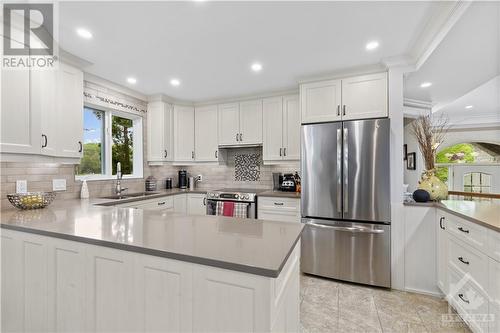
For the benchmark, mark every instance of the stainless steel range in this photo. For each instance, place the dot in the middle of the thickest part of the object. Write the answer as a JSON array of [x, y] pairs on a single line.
[[243, 195]]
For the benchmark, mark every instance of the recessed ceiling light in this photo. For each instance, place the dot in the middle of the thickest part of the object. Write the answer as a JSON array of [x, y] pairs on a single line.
[[372, 45], [175, 82], [84, 33], [469, 106], [425, 85], [132, 80], [256, 67]]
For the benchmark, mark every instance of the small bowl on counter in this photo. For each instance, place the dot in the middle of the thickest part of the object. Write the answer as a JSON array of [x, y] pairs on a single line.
[[31, 200]]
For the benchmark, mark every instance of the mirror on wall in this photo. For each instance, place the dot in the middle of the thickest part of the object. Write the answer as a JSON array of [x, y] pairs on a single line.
[[460, 82]]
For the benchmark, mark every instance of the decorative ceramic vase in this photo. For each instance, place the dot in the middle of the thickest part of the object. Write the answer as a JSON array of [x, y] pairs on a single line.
[[432, 184]]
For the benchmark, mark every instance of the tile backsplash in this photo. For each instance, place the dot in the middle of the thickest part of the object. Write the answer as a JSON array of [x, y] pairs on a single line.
[[243, 168]]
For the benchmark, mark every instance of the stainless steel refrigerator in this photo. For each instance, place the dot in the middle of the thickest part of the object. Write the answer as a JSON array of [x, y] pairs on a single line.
[[346, 201]]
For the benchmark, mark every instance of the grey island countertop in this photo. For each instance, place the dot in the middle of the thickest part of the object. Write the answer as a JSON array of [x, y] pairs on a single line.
[[279, 194], [485, 213], [251, 246]]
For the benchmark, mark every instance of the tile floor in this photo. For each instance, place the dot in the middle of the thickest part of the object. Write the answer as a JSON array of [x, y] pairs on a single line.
[[332, 306]]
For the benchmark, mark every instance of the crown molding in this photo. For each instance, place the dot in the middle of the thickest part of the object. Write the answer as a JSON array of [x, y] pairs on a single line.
[[113, 86], [345, 72], [419, 104]]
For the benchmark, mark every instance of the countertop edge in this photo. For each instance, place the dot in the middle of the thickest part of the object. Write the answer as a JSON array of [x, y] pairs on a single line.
[[453, 212], [270, 273], [279, 194]]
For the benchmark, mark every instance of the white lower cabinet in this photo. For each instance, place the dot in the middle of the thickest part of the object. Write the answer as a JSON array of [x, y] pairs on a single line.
[[180, 203], [196, 204], [278, 209], [55, 285], [470, 279]]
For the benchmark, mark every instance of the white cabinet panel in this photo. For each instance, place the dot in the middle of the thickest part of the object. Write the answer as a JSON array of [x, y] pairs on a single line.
[[494, 293], [110, 299], [184, 133], [279, 209], [272, 148], [205, 128], [291, 127], [66, 270], [20, 124], [364, 97], [320, 101], [196, 204], [12, 283], [163, 295], [229, 123], [160, 132], [70, 111], [442, 252], [44, 102], [251, 122], [165, 203], [180, 203]]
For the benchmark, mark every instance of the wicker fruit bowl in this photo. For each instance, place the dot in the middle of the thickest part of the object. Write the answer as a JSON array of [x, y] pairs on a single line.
[[31, 200]]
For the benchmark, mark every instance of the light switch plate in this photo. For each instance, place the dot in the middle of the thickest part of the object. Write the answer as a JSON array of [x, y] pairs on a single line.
[[21, 186], [58, 184]]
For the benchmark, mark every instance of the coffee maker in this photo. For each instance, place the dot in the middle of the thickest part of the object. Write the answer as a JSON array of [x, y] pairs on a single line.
[[288, 183], [183, 180]]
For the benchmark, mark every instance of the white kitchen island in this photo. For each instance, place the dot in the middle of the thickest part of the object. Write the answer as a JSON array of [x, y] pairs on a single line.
[[78, 267]]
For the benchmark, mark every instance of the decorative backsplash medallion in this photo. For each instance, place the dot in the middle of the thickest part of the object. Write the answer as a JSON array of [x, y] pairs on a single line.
[[247, 167]]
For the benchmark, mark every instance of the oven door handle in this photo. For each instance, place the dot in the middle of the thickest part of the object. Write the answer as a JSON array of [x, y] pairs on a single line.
[[347, 229]]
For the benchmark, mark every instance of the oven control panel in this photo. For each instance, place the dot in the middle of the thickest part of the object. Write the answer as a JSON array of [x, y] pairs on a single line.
[[231, 196]]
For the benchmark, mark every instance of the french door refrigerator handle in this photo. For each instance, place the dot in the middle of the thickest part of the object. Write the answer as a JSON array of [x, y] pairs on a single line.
[[346, 171], [339, 171], [348, 229]]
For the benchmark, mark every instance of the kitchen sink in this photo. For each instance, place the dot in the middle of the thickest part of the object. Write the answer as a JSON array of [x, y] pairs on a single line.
[[129, 195]]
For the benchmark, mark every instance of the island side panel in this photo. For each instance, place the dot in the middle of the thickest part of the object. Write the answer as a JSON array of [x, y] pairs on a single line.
[[94, 288]]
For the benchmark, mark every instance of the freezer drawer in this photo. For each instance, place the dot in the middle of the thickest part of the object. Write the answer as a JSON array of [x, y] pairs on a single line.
[[356, 252]]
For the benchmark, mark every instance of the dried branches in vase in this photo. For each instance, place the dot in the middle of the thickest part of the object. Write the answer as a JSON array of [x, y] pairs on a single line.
[[430, 135]]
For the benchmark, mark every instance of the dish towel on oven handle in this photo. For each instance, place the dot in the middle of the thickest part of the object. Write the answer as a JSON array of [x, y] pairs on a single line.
[[220, 206], [241, 209], [228, 209]]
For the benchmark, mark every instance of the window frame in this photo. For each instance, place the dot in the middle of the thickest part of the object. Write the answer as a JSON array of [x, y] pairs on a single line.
[[138, 159]]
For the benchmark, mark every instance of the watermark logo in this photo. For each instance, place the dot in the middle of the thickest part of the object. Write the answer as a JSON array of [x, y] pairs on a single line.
[[28, 36]]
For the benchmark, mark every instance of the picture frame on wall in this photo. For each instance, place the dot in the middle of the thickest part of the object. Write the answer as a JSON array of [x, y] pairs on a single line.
[[411, 161], [405, 152]]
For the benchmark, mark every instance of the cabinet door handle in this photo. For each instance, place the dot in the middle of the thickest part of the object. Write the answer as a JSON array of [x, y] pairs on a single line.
[[463, 260], [284, 151], [343, 110], [237, 137], [81, 147], [44, 141], [216, 154], [281, 151], [241, 137], [463, 298], [441, 223], [463, 230], [204, 201], [338, 110], [166, 153], [192, 155], [278, 203]]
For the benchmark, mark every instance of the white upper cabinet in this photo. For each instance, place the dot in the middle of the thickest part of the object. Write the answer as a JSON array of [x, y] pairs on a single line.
[[281, 128], [251, 122], [358, 97], [205, 134], [42, 112], [20, 124], [160, 132], [321, 101], [364, 97], [272, 148], [184, 133], [229, 123], [70, 111]]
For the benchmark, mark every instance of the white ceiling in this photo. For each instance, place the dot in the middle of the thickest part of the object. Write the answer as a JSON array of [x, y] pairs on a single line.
[[209, 46], [467, 59]]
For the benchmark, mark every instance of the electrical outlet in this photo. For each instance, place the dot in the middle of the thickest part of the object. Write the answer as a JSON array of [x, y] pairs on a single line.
[[21, 186], [199, 178], [58, 184]]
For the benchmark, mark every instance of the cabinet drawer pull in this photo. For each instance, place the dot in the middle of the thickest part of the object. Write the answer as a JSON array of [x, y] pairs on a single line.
[[278, 203], [44, 141], [463, 230], [441, 223], [463, 298], [161, 203], [463, 261]]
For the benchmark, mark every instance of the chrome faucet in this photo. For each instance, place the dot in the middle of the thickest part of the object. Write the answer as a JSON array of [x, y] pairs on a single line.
[[118, 187]]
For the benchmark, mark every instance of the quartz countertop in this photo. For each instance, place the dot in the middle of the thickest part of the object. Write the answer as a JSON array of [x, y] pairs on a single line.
[[484, 213], [252, 246], [279, 194]]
